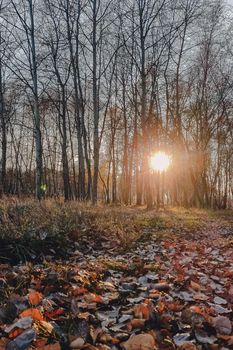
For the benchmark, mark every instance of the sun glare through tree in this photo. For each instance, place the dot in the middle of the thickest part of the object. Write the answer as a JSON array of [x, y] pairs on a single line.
[[160, 161]]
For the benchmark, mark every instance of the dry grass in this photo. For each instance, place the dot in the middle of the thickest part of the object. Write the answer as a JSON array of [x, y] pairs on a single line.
[[27, 220], [30, 220]]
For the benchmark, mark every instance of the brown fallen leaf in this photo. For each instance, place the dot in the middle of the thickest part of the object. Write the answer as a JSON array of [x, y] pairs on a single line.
[[79, 291], [161, 286], [105, 338], [115, 340], [137, 323], [195, 286], [227, 338], [77, 343], [40, 343], [94, 333], [84, 315], [87, 306], [140, 342], [200, 296], [175, 306], [93, 298], [3, 343]]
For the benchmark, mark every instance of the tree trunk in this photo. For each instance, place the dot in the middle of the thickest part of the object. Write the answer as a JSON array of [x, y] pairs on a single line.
[[37, 127], [95, 107], [3, 132]]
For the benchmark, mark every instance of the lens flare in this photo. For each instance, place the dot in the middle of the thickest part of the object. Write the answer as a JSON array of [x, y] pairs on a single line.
[[160, 162]]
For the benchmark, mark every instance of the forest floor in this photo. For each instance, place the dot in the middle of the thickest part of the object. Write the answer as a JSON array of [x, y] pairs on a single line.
[[132, 279]]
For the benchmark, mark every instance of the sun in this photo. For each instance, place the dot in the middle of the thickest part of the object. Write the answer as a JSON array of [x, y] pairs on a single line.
[[160, 161]]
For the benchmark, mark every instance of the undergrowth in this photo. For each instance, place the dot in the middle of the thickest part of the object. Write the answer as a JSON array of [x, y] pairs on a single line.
[[29, 229]]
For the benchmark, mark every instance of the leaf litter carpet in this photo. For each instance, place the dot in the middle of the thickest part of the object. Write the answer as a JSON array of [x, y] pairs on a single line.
[[167, 293]]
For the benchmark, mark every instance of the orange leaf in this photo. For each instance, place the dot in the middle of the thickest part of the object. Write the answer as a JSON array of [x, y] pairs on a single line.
[[115, 341], [35, 298], [79, 291], [53, 314], [168, 244], [161, 307], [34, 313], [142, 311], [196, 309]]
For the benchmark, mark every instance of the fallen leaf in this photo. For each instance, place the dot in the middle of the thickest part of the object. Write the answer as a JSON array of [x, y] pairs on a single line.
[[195, 286], [3, 343], [23, 341], [125, 318], [161, 287], [35, 298], [79, 291], [142, 311], [93, 298], [228, 338], [45, 327], [200, 296], [204, 338], [77, 343], [140, 342], [220, 301], [40, 343], [105, 338], [181, 338], [230, 294], [15, 333], [33, 313], [137, 323], [23, 323], [220, 309], [223, 325], [55, 313]]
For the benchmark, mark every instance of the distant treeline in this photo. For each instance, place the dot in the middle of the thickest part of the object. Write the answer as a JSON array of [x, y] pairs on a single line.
[[90, 89]]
